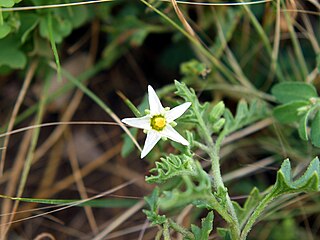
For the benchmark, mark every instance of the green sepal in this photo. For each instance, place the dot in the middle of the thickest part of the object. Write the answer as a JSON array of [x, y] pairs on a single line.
[[286, 92], [206, 228]]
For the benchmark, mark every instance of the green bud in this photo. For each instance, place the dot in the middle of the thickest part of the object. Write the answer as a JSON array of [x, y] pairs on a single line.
[[217, 111], [218, 125]]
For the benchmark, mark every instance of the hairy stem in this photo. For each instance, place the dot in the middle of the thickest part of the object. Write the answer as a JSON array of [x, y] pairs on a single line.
[[256, 213], [213, 152]]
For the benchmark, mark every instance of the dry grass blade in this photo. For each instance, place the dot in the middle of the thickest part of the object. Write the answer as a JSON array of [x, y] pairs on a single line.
[[79, 181], [13, 178], [120, 220], [183, 19], [25, 86], [248, 170], [56, 124], [104, 1], [30, 154]]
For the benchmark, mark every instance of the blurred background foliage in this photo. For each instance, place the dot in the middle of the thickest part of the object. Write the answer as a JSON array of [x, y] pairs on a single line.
[[118, 48]]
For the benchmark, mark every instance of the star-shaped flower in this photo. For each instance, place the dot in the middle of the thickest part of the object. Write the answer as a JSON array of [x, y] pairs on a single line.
[[158, 123]]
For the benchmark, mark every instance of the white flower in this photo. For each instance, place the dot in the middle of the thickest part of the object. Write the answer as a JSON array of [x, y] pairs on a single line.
[[158, 123]]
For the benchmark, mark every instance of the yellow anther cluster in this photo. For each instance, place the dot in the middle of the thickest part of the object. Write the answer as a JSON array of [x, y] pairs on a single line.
[[158, 122]]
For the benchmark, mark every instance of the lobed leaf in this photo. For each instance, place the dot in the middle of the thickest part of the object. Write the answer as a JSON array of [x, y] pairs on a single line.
[[196, 190], [189, 95], [308, 182], [206, 228], [245, 115], [171, 166], [243, 213]]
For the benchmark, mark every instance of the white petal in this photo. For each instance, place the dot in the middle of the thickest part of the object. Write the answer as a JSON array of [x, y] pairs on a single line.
[[176, 112], [154, 102], [152, 138], [142, 122], [172, 134]]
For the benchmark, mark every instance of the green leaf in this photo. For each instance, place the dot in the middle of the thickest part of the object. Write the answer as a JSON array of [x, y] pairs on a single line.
[[242, 110], [293, 91], [152, 215], [243, 213], [6, 3], [315, 130], [288, 113], [308, 182], [206, 228], [190, 96], [303, 125], [5, 29], [10, 54], [61, 28], [224, 233], [245, 115], [152, 199], [29, 22], [196, 190], [172, 166]]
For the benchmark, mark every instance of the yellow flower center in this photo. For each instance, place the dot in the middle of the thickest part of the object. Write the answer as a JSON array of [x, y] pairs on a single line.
[[158, 122]]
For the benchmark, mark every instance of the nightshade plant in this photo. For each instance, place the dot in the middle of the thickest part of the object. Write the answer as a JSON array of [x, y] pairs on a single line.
[[190, 184]]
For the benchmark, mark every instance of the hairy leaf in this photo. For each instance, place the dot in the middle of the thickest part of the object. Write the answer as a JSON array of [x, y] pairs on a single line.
[[171, 166], [243, 213], [245, 115], [293, 91], [189, 95], [308, 182], [206, 227], [196, 190], [315, 130], [288, 113]]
